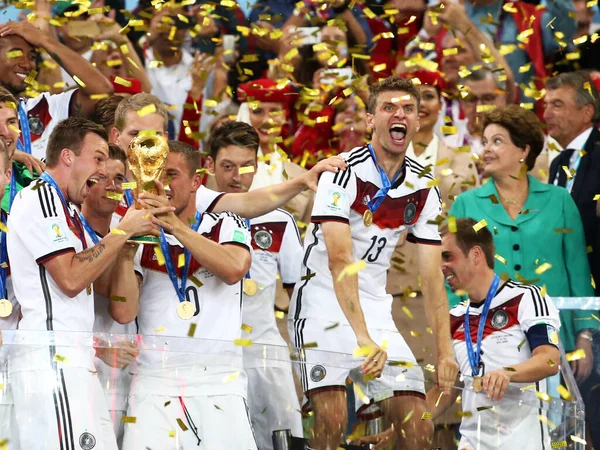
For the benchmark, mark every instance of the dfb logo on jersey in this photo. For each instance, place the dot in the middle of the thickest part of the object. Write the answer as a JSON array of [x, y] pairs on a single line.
[[87, 441], [263, 239], [317, 373], [409, 213], [499, 319]]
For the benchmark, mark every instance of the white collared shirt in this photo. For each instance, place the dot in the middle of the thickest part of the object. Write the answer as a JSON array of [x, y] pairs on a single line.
[[429, 156], [578, 144], [268, 172]]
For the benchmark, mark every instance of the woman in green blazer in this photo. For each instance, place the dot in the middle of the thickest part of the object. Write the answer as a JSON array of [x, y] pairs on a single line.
[[536, 227]]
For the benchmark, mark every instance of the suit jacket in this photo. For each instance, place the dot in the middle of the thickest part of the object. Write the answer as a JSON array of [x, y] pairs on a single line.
[[463, 177], [585, 188]]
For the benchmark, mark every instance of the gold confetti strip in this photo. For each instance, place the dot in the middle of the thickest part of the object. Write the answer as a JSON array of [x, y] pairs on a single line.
[[558, 444], [117, 298], [279, 315], [171, 433], [576, 355], [307, 277], [181, 425], [564, 393], [243, 342], [484, 408], [352, 269], [408, 416], [93, 96], [160, 330], [563, 230], [464, 414], [231, 377], [449, 130], [117, 231], [160, 257], [331, 327], [578, 440], [500, 258], [122, 82], [521, 344], [246, 328], [437, 402], [543, 268], [79, 81], [62, 359], [452, 224], [543, 396], [14, 54], [246, 169], [114, 196], [129, 185], [128, 419], [426, 415], [407, 312], [146, 110], [479, 225]]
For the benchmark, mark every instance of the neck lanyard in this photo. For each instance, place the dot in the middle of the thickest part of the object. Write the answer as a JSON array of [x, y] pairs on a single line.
[[24, 143], [172, 272], [379, 197], [129, 201], [250, 231], [475, 355], [3, 259], [78, 219]]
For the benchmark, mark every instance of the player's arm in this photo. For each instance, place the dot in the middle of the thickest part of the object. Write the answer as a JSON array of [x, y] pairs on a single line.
[[125, 287], [94, 83], [261, 201], [338, 241], [229, 262], [73, 272], [438, 402], [437, 310]]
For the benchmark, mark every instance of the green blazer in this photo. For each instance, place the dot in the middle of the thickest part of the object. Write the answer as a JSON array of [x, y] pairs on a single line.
[[548, 230]]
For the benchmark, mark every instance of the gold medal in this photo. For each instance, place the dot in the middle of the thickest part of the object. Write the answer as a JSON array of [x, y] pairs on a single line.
[[477, 383], [5, 308], [250, 287], [186, 310], [368, 218]]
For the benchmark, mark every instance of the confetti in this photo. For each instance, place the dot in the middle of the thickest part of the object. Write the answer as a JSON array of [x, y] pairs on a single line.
[[146, 110], [331, 327], [242, 342], [479, 225], [114, 196], [408, 416], [543, 268], [426, 415], [14, 54], [231, 377], [310, 345], [558, 444], [564, 393], [279, 315], [181, 425], [352, 269], [563, 230], [521, 344], [79, 81], [484, 408], [452, 224], [576, 355], [128, 419], [246, 328], [129, 185], [62, 359], [500, 258], [449, 130], [578, 440], [122, 82], [542, 396], [117, 298], [160, 258], [246, 169]]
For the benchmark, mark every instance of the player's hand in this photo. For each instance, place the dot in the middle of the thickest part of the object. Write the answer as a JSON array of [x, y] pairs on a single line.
[[32, 163], [333, 164], [121, 356], [374, 363], [379, 441], [455, 15], [160, 200], [138, 222], [495, 384], [582, 368], [447, 369], [26, 30]]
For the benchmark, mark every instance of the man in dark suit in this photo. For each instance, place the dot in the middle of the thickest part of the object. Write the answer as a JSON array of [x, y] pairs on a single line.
[[571, 111]]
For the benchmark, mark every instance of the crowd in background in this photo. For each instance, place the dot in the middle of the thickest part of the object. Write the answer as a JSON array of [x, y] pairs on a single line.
[[298, 73]]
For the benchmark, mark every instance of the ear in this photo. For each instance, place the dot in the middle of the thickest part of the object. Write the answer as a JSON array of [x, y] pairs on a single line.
[[67, 156], [370, 120], [210, 164], [526, 152], [114, 136], [589, 111], [9, 171], [196, 181]]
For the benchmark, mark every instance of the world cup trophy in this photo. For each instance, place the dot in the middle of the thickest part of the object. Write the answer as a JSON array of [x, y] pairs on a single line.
[[146, 158]]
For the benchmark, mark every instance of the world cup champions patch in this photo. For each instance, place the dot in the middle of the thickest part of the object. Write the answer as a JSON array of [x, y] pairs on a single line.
[[410, 213], [263, 239]]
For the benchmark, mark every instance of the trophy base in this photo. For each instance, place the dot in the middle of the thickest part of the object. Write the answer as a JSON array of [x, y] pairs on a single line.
[[151, 240]]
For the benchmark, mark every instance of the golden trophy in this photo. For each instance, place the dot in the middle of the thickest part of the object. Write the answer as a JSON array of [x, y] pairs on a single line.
[[146, 158]]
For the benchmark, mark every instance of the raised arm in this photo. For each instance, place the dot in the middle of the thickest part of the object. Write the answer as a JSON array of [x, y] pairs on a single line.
[[94, 83], [261, 201]]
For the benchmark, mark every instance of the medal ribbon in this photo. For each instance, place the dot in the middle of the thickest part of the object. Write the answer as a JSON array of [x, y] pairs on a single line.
[[475, 356], [3, 260], [128, 196], [379, 197], [78, 219], [250, 230], [24, 142], [171, 270]]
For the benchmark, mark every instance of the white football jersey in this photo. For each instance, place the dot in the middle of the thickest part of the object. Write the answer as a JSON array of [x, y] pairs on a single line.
[[412, 203], [206, 199], [44, 112], [519, 320], [277, 249], [41, 229], [7, 323], [218, 315]]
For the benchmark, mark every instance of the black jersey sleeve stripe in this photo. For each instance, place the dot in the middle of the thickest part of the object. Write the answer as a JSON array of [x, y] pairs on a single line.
[[537, 301], [48, 256], [214, 203], [292, 220], [321, 219], [417, 240], [47, 195], [42, 203], [358, 154]]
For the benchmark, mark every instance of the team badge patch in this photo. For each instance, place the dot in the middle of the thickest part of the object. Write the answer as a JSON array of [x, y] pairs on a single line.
[[87, 441], [56, 233], [409, 213], [263, 239], [499, 319], [552, 334], [317, 373], [36, 126], [238, 236]]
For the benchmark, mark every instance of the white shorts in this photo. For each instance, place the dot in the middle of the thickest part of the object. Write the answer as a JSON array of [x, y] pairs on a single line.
[[61, 408], [328, 365], [180, 423], [8, 427], [273, 403]]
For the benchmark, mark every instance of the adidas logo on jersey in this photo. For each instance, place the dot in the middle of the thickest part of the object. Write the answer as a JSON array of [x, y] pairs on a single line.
[[366, 199]]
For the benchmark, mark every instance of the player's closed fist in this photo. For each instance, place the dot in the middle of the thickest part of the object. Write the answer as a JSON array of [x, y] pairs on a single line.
[[495, 384]]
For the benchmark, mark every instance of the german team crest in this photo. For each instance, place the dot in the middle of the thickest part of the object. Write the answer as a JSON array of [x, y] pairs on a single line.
[[409, 213], [317, 373], [36, 126], [263, 239], [87, 441], [499, 319]]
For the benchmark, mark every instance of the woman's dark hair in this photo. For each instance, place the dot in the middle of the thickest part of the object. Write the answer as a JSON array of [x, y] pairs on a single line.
[[523, 126]]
